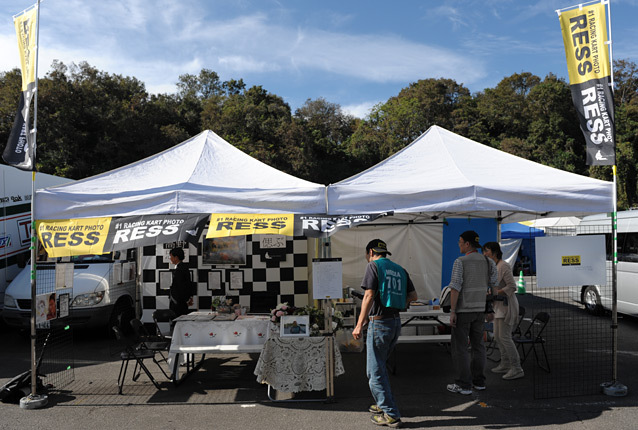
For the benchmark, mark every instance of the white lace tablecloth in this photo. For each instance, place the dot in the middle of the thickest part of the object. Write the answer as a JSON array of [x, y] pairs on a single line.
[[296, 364]]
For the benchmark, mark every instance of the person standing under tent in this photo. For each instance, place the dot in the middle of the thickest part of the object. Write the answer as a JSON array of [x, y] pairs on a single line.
[[388, 290], [473, 275], [182, 287], [505, 315]]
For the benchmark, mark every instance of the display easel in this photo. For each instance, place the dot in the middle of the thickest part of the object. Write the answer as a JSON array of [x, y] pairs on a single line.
[[328, 285]]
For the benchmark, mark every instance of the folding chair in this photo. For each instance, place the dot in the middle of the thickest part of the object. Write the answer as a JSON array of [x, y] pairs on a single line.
[[516, 331], [163, 316], [533, 336], [130, 353], [154, 343], [521, 314]]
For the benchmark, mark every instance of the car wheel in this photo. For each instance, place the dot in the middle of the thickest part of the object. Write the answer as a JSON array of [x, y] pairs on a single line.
[[591, 299], [121, 317]]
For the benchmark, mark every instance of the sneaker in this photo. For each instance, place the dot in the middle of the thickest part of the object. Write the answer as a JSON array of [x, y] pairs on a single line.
[[386, 420], [514, 374], [453, 388], [375, 410], [501, 369], [479, 387]]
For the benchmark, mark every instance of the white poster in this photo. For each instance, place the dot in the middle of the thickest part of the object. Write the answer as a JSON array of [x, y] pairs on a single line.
[[64, 275], [563, 261], [327, 282], [166, 280]]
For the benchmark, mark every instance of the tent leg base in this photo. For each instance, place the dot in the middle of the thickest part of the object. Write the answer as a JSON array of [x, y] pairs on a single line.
[[614, 389]]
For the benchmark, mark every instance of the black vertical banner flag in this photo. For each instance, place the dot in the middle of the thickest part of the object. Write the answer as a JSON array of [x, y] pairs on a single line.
[[585, 37], [19, 152]]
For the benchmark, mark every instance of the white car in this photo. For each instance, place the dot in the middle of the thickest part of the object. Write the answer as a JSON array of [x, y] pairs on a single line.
[[598, 298]]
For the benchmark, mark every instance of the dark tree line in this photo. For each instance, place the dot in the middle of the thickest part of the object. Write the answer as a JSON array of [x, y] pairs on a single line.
[[91, 121]]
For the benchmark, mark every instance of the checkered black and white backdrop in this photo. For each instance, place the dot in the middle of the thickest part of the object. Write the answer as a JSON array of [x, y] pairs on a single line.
[[287, 279]]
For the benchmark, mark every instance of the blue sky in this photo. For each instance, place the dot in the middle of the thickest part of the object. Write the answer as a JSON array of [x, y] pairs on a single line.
[[354, 53]]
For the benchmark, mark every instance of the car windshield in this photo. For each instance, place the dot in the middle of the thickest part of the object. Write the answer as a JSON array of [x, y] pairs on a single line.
[[90, 258]]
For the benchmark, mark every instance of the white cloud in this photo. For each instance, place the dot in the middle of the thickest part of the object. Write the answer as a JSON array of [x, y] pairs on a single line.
[[360, 110], [157, 43]]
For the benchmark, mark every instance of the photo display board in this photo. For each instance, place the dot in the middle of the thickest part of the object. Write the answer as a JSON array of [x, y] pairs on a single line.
[[327, 281], [570, 260]]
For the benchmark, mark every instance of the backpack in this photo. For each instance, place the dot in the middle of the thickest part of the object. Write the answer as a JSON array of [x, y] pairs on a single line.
[[446, 299]]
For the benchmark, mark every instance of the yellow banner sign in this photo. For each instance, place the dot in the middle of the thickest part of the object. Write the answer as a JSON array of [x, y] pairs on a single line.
[[585, 36], [26, 26], [63, 238], [225, 225], [570, 260]]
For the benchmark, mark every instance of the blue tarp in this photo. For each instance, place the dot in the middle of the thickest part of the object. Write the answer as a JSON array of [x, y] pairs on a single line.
[[515, 230]]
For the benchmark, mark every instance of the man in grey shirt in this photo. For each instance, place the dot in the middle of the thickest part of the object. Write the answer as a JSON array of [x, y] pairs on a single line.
[[472, 276]]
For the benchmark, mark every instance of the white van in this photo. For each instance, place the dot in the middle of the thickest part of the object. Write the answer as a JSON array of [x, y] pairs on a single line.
[[103, 291], [598, 298], [15, 220]]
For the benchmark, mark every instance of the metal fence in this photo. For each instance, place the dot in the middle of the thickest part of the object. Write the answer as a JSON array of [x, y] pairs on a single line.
[[578, 344], [54, 337]]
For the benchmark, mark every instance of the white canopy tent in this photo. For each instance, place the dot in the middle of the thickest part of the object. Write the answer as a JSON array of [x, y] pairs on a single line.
[[204, 174], [444, 174], [440, 174]]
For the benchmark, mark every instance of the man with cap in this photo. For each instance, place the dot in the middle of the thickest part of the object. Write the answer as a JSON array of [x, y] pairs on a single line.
[[388, 290], [473, 275]]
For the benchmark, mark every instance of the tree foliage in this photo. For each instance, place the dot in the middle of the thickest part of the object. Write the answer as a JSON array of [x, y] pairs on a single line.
[[90, 121]]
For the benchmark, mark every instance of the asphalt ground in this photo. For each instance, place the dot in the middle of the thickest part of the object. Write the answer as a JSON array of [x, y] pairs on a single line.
[[224, 394]]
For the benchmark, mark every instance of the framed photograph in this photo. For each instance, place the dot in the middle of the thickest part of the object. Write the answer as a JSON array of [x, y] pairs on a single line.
[[236, 279], [166, 279], [295, 325], [224, 250], [214, 280], [64, 305]]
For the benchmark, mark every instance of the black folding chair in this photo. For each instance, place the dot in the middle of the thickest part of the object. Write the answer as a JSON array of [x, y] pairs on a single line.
[[533, 336], [521, 314], [151, 342], [130, 353], [163, 316]]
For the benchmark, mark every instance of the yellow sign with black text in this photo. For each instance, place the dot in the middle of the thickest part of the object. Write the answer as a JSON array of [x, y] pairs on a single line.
[[63, 238], [225, 225], [570, 260]]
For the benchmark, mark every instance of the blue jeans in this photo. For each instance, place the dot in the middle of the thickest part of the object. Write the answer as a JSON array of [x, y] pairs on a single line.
[[382, 337]]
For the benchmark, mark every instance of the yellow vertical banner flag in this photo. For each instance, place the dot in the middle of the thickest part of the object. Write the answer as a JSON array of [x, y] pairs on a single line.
[[584, 30], [20, 149], [26, 26]]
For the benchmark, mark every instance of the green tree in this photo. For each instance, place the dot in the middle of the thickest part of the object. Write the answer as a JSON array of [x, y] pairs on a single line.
[[315, 145], [396, 123], [503, 110]]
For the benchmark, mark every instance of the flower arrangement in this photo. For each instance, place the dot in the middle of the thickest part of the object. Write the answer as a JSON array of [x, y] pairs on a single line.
[[280, 310], [317, 319]]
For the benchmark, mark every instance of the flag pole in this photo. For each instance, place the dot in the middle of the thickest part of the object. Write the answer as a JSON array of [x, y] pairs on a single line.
[[34, 400], [613, 388]]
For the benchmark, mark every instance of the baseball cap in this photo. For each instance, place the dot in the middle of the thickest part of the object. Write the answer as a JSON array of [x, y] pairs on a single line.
[[472, 237], [377, 245]]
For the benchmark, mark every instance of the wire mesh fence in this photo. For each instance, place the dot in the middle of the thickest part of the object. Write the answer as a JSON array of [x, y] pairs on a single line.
[[54, 332], [578, 343]]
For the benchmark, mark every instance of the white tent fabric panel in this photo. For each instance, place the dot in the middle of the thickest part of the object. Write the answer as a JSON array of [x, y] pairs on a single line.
[[204, 174], [416, 247], [443, 174], [510, 248]]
